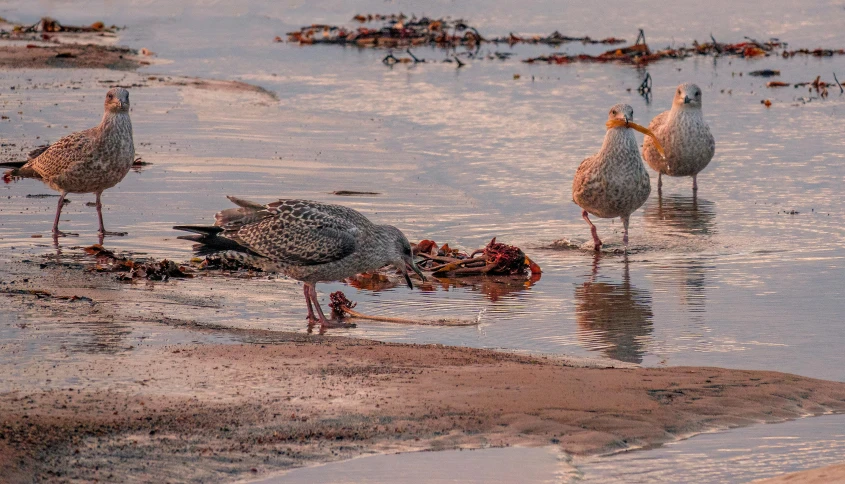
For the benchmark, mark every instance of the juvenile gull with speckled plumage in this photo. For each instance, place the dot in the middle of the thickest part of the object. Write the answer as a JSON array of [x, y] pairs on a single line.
[[89, 161], [614, 181], [685, 136], [305, 240]]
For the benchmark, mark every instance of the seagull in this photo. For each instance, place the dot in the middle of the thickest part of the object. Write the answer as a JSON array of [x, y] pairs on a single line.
[[89, 161], [305, 240], [614, 181], [685, 136]]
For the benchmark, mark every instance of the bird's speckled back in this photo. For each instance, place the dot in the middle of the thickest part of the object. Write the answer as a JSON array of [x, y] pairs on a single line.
[[311, 241]]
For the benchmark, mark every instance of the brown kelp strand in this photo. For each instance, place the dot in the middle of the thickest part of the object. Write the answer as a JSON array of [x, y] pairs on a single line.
[[128, 269], [342, 308], [618, 123], [494, 259]]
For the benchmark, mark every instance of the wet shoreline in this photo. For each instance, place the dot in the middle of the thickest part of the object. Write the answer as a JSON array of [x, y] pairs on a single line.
[[275, 400]]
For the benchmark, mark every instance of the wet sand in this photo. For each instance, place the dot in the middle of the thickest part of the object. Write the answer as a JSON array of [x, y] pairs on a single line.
[[66, 55], [824, 475], [279, 400]]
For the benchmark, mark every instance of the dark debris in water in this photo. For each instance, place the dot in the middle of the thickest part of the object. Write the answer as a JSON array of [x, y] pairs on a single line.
[[41, 294], [764, 73], [128, 269], [399, 31], [47, 26], [817, 84], [352, 193], [641, 54]]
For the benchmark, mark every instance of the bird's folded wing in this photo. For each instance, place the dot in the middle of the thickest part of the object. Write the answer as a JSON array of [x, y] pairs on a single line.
[[299, 240], [658, 121], [64, 153]]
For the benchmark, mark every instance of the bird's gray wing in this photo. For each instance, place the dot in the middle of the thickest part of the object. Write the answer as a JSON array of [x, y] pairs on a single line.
[[58, 157], [711, 142], [301, 232], [582, 176], [650, 152], [658, 121]]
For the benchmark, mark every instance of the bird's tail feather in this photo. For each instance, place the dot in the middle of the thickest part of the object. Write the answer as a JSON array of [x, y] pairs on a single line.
[[246, 213], [245, 203], [37, 151], [20, 170], [199, 229], [208, 241]]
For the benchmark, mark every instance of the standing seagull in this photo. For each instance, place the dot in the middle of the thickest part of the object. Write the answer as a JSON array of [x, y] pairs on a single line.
[[684, 135], [89, 161], [614, 181], [308, 241]]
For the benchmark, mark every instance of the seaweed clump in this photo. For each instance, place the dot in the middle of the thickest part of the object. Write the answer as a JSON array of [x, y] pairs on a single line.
[[494, 259]]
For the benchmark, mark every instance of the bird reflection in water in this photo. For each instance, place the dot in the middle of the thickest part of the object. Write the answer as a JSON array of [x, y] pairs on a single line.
[[688, 216], [612, 317], [493, 287], [682, 214]]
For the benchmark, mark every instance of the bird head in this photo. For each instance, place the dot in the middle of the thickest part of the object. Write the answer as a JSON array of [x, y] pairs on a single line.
[[621, 112], [401, 256], [117, 100], [688, 95]]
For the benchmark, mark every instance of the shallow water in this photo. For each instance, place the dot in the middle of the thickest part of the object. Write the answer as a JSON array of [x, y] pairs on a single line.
[[737, 455], [462, 156], [497, 465]]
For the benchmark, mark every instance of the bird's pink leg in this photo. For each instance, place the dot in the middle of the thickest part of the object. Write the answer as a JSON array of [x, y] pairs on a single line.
[[306, 289], [625, 233], [695, 183], [593, 231], [659, 182], [324, 323], [56, 232], [100, 216]]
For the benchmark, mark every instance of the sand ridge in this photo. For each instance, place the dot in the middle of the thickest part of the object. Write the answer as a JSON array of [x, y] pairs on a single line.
[[212, 411]]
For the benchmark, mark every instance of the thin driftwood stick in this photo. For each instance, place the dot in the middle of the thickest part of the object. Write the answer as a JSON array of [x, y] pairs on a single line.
[[838, 84], [451, 266], [423, 322]]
